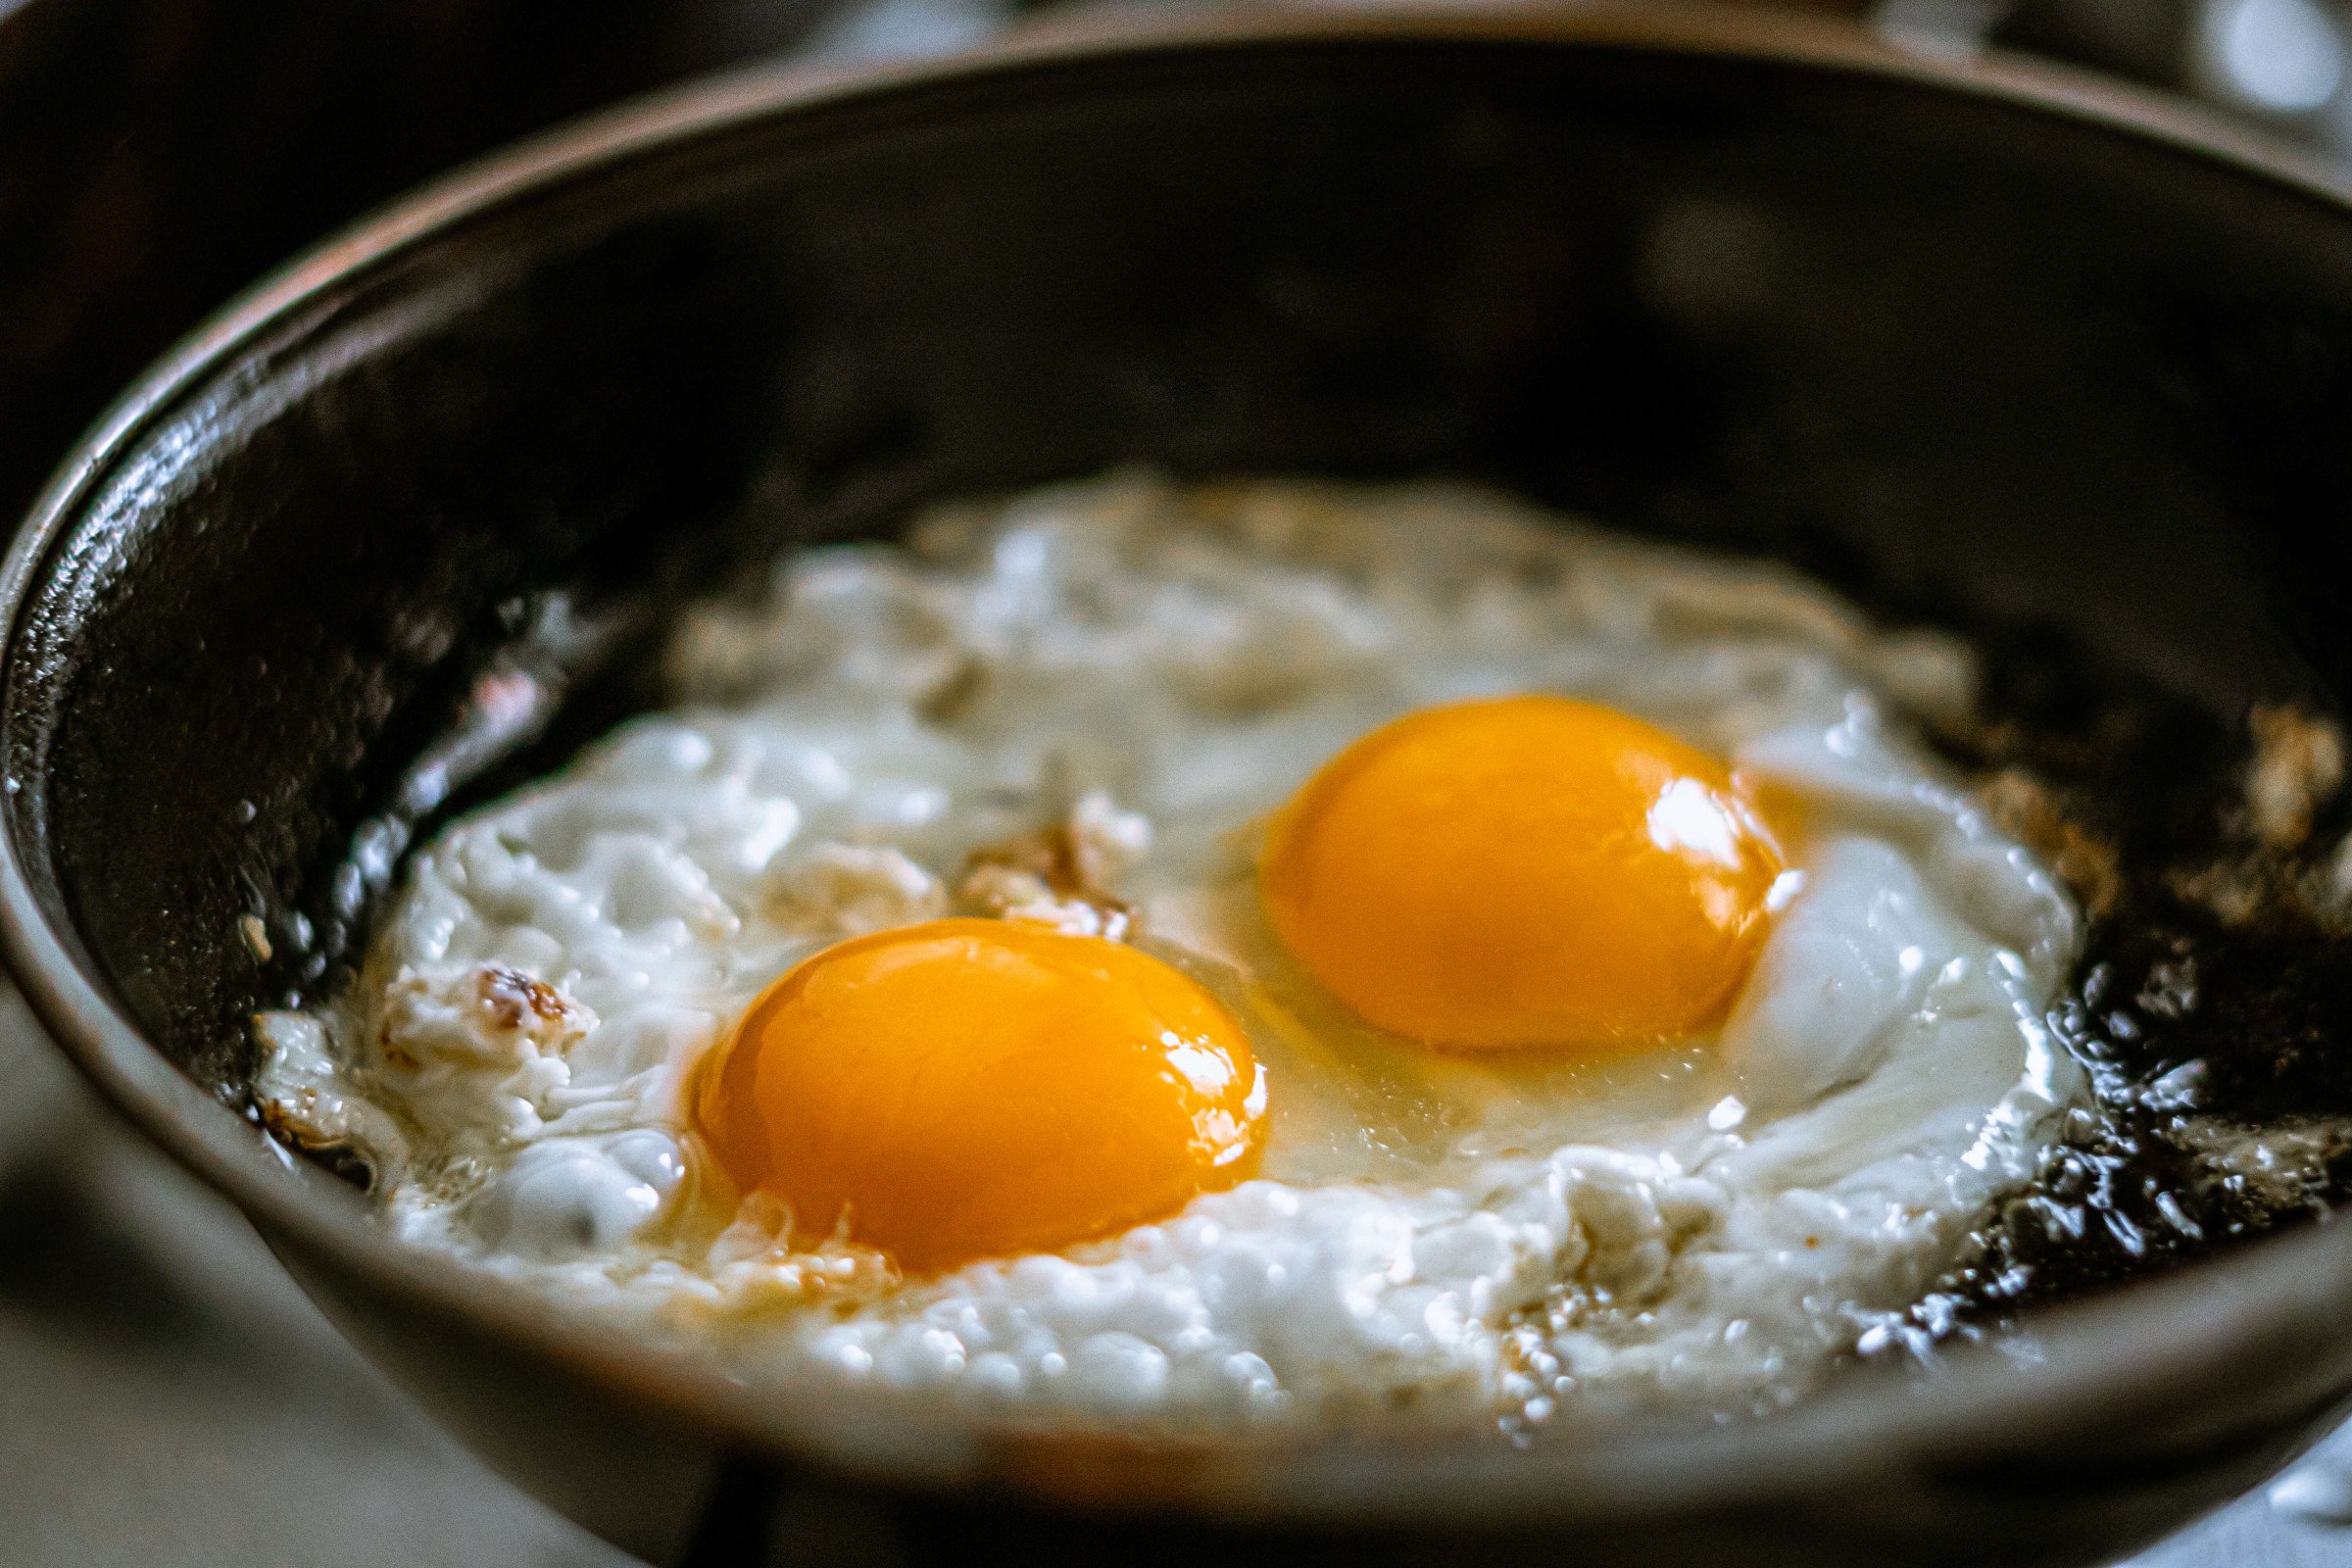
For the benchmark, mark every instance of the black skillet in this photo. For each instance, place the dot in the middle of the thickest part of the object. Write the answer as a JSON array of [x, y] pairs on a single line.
[[1990, 344]]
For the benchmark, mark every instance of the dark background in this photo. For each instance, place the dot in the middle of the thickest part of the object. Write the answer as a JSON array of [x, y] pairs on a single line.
[[157, 156]]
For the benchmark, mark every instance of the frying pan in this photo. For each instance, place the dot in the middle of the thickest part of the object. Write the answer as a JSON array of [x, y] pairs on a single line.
[[1979, 343]]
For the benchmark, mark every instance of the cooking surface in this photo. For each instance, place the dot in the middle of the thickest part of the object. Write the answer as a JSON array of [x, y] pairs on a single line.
[[167, 1394]]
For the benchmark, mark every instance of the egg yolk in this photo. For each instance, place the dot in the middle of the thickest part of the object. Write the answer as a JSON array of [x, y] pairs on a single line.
[[969, 1089], [1522, 872]]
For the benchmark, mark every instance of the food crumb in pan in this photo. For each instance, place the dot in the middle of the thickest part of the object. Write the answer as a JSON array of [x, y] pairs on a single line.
[[2297, 766], [306, 1098], [2278, 1166], [846, 890], [2024, 806]]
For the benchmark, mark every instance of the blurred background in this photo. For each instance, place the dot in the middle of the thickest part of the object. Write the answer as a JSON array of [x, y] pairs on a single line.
[[165, 1395]]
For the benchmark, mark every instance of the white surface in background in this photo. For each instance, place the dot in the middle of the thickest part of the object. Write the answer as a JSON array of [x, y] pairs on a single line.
[[168, 1396], [2271, 1527]]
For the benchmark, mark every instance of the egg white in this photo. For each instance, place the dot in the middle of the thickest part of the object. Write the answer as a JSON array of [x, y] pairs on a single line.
[[1156, 668]]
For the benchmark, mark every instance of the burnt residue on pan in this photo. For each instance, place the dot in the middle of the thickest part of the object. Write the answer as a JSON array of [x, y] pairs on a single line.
[[2213, 1004]]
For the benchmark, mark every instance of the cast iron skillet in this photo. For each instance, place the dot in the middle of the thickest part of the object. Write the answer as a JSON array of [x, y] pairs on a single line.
[[1984, 340]]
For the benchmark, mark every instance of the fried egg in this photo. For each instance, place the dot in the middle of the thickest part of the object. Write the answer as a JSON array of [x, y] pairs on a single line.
[[1228, 955]]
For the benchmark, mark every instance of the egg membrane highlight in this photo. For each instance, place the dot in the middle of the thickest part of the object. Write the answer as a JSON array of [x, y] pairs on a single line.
[[1081, 711]]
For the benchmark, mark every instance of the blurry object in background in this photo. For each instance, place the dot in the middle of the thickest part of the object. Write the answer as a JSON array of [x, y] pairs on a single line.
[[2279, 57], [1939, 29], [2318, 1490], [2282, 64], [890, 30]]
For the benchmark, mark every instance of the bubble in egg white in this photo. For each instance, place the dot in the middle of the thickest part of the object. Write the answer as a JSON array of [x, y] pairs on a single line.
[[564, 1198]]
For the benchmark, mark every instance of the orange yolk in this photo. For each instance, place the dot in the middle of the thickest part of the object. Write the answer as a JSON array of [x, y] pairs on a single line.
[[1522, 872], [969, 1089]]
